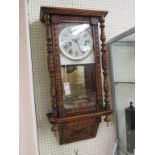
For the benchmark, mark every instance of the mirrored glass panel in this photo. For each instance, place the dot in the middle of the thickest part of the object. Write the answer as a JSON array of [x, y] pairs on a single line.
[[80, 82]]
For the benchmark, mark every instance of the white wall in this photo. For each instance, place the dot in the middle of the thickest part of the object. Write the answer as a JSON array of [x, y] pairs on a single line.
[[27, 121], [119, 19]]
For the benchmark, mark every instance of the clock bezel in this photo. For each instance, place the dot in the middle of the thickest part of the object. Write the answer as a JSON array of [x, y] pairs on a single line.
[[69, 56]]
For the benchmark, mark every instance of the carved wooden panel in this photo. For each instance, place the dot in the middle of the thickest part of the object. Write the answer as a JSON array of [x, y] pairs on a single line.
[[74, 19], [98, 66], [50, 61], [78, 130], [58, 82]]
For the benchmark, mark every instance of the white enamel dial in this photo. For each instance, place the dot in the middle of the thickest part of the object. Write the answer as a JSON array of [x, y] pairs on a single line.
[[76, 42]]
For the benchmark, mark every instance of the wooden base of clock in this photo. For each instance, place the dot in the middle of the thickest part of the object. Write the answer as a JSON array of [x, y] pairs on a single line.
[[76, 128]]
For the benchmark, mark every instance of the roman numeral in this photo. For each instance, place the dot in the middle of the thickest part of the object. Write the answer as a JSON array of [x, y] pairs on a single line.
[[86, 42], [70, 51], [70, 43], [76, 53], [66, 47]]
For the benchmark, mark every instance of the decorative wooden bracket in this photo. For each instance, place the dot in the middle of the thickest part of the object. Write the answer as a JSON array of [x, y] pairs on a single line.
[[76, 128]]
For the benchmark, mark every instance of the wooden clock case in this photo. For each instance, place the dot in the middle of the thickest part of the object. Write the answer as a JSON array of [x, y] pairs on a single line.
[[79, 122]]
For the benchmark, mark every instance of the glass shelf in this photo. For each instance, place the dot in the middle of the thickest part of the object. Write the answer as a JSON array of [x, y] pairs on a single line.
[[121, 82]]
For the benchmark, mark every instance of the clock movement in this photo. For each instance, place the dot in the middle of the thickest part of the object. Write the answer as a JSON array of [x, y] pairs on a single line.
[[76, 65]]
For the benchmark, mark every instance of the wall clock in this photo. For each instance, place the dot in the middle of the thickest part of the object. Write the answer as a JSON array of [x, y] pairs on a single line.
[[74, 64]]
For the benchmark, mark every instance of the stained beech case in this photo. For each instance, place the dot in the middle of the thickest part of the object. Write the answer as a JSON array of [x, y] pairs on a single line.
[[74, 65]]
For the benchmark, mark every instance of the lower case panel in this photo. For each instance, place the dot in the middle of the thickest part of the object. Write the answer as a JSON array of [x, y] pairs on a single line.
[[75, 130]]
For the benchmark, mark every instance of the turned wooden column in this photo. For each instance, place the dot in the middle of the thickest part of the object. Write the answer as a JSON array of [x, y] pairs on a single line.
[[50, 61], [105, 65]]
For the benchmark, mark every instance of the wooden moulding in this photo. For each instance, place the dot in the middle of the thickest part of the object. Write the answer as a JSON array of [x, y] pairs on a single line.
[[60, 120], [70, 11]]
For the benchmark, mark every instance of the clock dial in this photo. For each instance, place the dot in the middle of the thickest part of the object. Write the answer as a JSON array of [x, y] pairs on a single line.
[[76, 42]]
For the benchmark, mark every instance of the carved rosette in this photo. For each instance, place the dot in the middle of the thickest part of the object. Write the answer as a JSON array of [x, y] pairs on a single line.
[[105, 67], [50, 61]]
